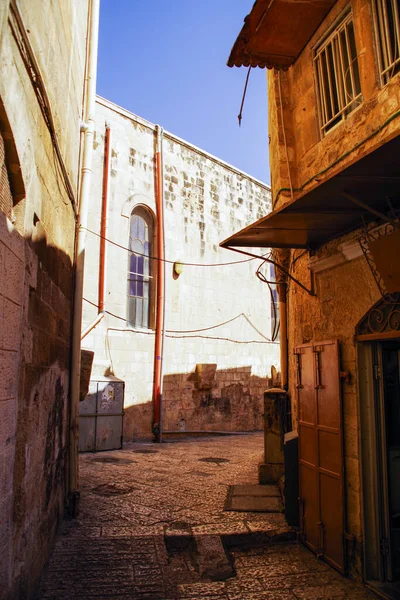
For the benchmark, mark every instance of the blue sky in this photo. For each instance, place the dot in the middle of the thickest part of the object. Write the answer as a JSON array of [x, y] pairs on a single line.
[[166, 61]]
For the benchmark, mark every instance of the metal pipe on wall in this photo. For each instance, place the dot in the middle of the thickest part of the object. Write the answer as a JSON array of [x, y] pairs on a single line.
[[84, 198], [103, 222], [103, 235], [281, 287], [160, 308]]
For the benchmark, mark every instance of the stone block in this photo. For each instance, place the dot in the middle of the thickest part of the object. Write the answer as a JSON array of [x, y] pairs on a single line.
[[5, 524], [7, 423], [212, 559], [12, 314], [6, 470], [9, 375], [13, 276], [270, 472]]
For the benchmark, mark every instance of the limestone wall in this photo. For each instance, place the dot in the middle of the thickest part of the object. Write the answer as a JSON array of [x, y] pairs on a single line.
[[206, 200], [309, 152], [37, 230], [344, 285]]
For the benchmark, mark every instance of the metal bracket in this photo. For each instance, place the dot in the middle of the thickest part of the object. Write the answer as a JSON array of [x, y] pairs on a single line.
[[309, 291], [317, 368]]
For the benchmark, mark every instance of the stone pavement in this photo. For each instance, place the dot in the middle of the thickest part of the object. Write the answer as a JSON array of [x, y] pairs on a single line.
[[152, 526]]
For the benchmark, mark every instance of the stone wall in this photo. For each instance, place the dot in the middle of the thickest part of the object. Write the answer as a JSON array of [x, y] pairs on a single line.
[[37, 230], [206, 200], [344, 285], [313, 158]]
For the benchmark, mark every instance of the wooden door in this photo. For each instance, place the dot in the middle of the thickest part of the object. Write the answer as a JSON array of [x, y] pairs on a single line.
[[321, 450]]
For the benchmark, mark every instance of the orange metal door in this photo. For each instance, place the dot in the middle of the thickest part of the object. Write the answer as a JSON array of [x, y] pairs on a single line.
[[321, 450]]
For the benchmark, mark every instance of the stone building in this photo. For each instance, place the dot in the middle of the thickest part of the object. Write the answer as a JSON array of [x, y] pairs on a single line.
[[42, 68], [216, 355], [334, 121]]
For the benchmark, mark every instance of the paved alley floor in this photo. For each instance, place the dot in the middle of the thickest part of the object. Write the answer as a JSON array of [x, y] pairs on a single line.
[[152, 526]]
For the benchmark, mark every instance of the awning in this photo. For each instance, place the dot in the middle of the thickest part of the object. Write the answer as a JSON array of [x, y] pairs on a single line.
[[339, 205], [276, 31]]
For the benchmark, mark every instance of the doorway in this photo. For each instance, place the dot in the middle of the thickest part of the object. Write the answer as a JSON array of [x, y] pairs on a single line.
[[379, 363]]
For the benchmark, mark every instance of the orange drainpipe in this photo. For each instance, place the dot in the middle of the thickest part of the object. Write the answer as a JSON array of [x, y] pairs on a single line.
[[103, 222], [160, 312], [103, 235]]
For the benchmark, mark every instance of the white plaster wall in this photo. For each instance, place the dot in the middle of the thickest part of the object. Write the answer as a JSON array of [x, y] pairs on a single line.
[[205, 202]]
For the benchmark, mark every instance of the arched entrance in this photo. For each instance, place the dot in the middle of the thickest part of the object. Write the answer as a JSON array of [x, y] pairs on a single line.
[[378, 337]]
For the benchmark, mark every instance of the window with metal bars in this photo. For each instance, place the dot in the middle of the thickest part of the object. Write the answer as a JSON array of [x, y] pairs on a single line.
[[337, 75], [140, 268], [387, 27]]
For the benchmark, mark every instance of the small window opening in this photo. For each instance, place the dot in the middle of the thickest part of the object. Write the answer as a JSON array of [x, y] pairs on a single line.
[[140, 297], [338, 78], [387, 27]]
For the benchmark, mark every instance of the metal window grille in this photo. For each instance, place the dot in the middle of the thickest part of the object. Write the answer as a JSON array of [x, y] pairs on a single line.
[[139, 269], [338, 79], [387, 25]]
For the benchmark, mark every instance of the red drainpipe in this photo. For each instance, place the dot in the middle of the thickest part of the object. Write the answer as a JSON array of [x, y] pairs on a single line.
[[103, 235], [160, 310], [103, 222]]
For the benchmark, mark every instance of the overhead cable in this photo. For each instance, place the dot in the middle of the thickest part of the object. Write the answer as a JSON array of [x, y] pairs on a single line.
[[171, 262]]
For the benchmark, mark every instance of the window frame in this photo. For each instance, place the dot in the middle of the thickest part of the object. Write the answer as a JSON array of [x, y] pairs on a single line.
[[332, 40], [147, 216], [384, 71]]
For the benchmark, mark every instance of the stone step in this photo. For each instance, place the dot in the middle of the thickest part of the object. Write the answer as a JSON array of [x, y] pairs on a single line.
[[208, 546]]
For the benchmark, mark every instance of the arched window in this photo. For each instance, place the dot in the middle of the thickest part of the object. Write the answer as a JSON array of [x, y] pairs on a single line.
[[140, 268]]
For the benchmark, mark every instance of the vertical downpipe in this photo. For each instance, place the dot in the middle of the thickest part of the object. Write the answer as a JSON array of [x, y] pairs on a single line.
[[283, 334], [84, 200], [103, 237], [103, 222], [160, 309]]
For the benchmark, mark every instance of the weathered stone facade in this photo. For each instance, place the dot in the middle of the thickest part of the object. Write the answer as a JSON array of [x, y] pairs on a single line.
[[37, 232], [345, 289], [204, 200], [312, 157]]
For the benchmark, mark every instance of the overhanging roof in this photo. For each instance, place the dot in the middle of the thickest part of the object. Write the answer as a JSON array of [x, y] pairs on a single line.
[[276, 31], [327, 212]]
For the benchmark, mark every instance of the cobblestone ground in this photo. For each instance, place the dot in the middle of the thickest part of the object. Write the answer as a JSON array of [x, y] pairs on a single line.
[[144, 507]]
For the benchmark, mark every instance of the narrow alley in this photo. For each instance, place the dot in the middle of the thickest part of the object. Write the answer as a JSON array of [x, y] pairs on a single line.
[[152, 521], [200, 300]]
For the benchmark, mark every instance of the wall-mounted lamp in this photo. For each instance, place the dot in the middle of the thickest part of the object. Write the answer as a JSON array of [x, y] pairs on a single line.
[[178, 268]]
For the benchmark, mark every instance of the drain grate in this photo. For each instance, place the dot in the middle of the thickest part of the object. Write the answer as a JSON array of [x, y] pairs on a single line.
[[215, 460], [113, 489], [114, 460]]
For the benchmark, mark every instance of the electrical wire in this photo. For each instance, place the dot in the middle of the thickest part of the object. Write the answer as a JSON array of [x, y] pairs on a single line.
[[171, 262], [175, 332], [276, 323], [209, 337]]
